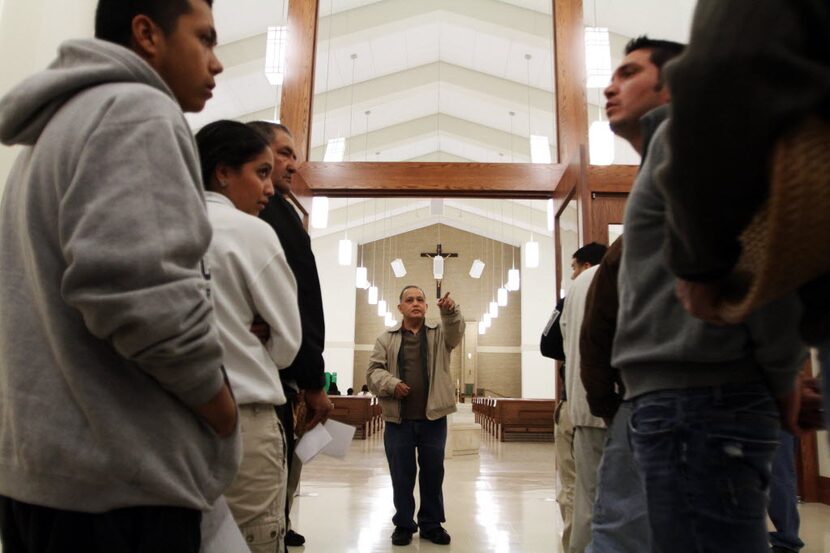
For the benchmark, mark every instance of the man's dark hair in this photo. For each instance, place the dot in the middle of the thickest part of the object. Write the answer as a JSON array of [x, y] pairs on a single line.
[[114, 18], [661, 50], [227, 143], [268, 129], [407, 287], [590, 253]]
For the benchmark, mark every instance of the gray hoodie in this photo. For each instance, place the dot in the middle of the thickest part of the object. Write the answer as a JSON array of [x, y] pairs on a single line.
[[107, 336], [658, 345]]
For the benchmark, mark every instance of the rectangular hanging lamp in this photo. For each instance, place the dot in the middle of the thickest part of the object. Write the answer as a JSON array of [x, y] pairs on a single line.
[[513, 280], [319, 212], [531, 254], [344, 252], [477, 268], [361, 278], [398, 268]]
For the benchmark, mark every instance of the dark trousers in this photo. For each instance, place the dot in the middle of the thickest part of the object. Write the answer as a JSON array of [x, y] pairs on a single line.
[[28, 528], [285, 413], [402, 441], [705, 456], [783, 496]]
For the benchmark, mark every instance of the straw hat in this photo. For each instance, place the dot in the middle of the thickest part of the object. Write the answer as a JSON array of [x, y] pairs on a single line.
[[787, 244]]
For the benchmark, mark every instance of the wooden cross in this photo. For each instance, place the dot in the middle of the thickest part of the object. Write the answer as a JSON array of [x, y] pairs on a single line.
[[438, 251]]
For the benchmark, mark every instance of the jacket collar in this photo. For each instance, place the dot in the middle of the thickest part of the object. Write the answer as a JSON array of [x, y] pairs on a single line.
[[432, 325], [217, 198]]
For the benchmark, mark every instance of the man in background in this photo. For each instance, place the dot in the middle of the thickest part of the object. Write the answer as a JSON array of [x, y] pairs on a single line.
[[409, 372], [306, 372], [589, 431]]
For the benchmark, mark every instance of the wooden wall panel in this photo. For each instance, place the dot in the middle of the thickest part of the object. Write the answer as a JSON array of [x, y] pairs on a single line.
[[614, 179], [298, 89], [432, 179], [571, 95], [606, 209]]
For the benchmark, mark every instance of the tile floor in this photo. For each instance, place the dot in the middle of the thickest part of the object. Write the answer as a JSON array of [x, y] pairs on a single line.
[[500, 501]]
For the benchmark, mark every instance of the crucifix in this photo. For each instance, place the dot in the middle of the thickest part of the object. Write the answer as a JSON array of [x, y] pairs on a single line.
[[438, 276]]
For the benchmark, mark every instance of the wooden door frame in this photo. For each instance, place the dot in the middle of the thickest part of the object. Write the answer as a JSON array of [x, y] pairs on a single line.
[[368, 179], [572, 175]]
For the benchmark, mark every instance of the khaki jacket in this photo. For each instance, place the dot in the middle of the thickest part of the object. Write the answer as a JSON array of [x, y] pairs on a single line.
[[382, 374]]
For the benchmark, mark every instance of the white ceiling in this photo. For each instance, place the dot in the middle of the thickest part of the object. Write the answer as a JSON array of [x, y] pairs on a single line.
[[464, 60], [439, 78]]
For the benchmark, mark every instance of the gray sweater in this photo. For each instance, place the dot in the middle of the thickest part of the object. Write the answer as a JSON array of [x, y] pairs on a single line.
[[107, 337], [658, 344]]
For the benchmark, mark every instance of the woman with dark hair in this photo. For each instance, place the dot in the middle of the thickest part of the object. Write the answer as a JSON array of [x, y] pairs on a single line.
[[250, 277]]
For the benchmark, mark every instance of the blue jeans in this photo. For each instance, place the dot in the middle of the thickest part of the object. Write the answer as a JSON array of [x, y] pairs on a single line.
[[705, 457], [620, 521], [783, 499], [401, 441]]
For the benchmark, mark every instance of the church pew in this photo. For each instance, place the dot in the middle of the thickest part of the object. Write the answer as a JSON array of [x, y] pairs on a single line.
[[354, 410], [528, 420]]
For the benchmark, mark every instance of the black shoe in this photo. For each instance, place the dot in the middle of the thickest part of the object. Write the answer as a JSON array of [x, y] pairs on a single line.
[[293, 539], [401, 536], [780, 549], [436, 535]]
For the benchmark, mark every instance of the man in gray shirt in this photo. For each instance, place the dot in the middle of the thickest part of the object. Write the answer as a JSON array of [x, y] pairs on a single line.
[[117, 420]]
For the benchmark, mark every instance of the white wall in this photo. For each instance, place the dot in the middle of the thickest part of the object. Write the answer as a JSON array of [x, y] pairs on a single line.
[[30, 32], [538, 301], [337, 285]]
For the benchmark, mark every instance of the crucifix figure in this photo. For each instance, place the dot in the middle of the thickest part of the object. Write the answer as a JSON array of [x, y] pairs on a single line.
[[432, 255]]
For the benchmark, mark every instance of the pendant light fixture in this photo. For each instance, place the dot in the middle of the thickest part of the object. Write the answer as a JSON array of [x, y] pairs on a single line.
[[319, 212], [373, 290], [362, 273], [476, 268], [344, 250]]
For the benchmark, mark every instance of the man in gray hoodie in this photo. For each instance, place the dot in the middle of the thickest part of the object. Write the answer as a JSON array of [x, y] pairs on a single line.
[[704, 423], [117, 422]]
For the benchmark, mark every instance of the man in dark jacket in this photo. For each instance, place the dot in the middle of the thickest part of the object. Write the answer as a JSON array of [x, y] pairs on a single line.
[[306, 372]]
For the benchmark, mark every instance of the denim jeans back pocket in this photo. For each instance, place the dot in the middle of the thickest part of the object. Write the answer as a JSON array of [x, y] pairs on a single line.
[[651, 418], [738, 468]]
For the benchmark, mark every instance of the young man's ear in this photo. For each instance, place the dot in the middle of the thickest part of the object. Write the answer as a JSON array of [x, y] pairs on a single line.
[[146, 36]]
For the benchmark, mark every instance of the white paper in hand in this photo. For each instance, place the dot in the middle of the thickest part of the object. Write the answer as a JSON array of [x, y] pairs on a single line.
[[341, 435], [312, 443], [220, 534]]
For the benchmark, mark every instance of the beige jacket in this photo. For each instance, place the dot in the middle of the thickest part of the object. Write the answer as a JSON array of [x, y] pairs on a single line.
[[382, 375], [571, 325]]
